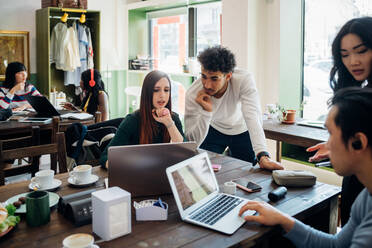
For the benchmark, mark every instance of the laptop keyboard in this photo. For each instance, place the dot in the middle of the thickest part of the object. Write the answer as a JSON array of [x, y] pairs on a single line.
[[216, 209]]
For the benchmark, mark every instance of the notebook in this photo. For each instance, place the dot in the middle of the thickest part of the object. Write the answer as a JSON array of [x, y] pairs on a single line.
[[196, 192], [140, 169]]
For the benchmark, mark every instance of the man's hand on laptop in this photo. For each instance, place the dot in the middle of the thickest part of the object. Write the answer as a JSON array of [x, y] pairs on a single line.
[[267, 215], [269, 164]]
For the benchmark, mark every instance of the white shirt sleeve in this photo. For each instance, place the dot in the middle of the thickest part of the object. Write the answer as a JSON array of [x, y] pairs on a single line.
[[250, 107], [197, 120]]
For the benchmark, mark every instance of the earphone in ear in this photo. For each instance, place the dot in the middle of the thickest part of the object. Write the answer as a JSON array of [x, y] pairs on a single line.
[[357, 145], [92, 83]]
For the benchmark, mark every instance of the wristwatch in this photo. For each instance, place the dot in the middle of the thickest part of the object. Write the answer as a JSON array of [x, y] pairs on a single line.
[[259, 155]]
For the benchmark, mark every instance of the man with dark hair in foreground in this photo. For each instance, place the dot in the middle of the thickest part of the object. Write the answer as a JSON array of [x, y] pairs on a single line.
[[349, 124], [223, 110]]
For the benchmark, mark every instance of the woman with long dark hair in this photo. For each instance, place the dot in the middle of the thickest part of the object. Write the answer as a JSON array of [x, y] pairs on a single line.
[[154, 122], [15, 88], [95, 98], [352, 66]]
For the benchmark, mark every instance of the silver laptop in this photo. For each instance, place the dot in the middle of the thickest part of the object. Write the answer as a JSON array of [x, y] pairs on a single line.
[[196, 192], [312, 123], [140, 169]]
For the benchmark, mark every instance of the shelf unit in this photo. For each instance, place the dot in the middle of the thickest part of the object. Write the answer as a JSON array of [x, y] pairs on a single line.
[[48, 76], [152, 5], [182, 74]]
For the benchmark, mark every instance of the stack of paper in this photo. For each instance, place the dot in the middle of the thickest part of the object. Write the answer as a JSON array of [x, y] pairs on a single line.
[[77, 116]]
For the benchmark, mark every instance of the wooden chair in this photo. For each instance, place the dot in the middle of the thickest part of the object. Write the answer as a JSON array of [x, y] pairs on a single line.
[[28, 146], [62, 126]]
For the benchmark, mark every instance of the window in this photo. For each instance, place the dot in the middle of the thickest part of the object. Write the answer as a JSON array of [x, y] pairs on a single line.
[[170, 37], [168, 41], [323, 20], [208, 26]]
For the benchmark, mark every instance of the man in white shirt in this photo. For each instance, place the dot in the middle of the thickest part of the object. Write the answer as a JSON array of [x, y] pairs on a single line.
[[223, 110]]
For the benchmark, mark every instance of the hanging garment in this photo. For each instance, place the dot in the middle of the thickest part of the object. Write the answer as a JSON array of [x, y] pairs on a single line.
[[56, 45], [74, 76], [64, 45], [71, 50], [90, 49]]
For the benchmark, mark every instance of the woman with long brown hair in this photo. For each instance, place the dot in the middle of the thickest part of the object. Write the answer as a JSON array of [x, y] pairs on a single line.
[[154, 122]]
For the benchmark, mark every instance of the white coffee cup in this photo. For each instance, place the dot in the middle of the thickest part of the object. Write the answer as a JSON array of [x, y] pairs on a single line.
[[81, 174], [79, 240], [43, 178], [229, 188]]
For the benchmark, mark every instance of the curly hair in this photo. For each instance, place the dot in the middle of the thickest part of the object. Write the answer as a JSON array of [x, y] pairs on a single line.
[[217, 58], [361, 27]]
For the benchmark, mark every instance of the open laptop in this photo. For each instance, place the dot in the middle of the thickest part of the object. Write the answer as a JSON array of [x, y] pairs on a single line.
[[140, 169], [42, 106], [196, 192], [312, 123]]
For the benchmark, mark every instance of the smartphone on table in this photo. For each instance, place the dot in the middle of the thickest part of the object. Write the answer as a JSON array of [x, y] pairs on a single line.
[[247, 185]]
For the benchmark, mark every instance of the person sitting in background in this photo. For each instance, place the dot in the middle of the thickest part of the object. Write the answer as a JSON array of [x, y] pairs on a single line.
[[154, 122], [352, 56], [95, 98], [15, 88], [349, 144]]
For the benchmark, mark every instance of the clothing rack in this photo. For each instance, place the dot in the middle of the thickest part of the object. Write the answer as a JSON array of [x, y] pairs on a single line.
[[70, 18]]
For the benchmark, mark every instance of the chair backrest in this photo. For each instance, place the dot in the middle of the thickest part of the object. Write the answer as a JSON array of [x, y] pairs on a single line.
[[27, 144]]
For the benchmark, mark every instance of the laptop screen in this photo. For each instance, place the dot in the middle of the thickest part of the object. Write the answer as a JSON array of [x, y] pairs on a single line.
[[194, 181]]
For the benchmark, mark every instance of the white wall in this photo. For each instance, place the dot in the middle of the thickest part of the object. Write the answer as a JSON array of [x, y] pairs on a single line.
[[252, 32], [19, 15], [113, 26]]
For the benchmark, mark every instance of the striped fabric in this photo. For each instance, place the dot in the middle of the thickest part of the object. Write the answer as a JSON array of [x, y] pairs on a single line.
[[18, 99]]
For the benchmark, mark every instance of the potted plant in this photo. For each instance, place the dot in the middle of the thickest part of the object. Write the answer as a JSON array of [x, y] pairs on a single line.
[[287, 116]]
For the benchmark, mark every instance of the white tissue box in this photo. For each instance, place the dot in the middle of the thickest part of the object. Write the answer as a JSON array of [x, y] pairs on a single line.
[[111, 213]]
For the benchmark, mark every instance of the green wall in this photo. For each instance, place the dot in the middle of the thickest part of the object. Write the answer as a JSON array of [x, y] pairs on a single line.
[[291, 53], [115, 87]]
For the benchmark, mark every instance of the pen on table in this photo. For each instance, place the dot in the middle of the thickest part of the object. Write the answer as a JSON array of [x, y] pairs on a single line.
[[323, 164]]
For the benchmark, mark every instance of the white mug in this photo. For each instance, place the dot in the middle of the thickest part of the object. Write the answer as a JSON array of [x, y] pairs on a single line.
[[43, 178], [79, 240], [229, 188], [81, 173]]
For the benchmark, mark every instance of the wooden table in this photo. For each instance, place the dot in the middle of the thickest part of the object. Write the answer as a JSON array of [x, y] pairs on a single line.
[[315, 205], [294, 134], [9, 127]]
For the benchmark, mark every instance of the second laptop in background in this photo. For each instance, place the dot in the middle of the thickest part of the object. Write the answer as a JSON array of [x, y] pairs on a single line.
[[140, 169]]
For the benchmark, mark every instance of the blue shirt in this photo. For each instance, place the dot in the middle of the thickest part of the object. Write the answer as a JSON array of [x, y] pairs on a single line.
[[356, 233]]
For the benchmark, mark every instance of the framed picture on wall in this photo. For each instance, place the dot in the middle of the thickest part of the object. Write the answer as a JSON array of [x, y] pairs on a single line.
[[14, 46]]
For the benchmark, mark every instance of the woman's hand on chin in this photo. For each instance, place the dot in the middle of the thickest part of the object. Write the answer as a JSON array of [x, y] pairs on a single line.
[[162, 115]]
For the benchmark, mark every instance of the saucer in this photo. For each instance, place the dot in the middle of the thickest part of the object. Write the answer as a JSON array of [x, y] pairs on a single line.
[[56, 183], [53, 200], [288, 122], [93, 179]]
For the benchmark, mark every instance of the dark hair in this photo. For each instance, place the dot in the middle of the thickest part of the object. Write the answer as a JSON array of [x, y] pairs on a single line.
[[12, 69], [148, 126], [217, 58], [93, 91], [361, 27], [354, 112]]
